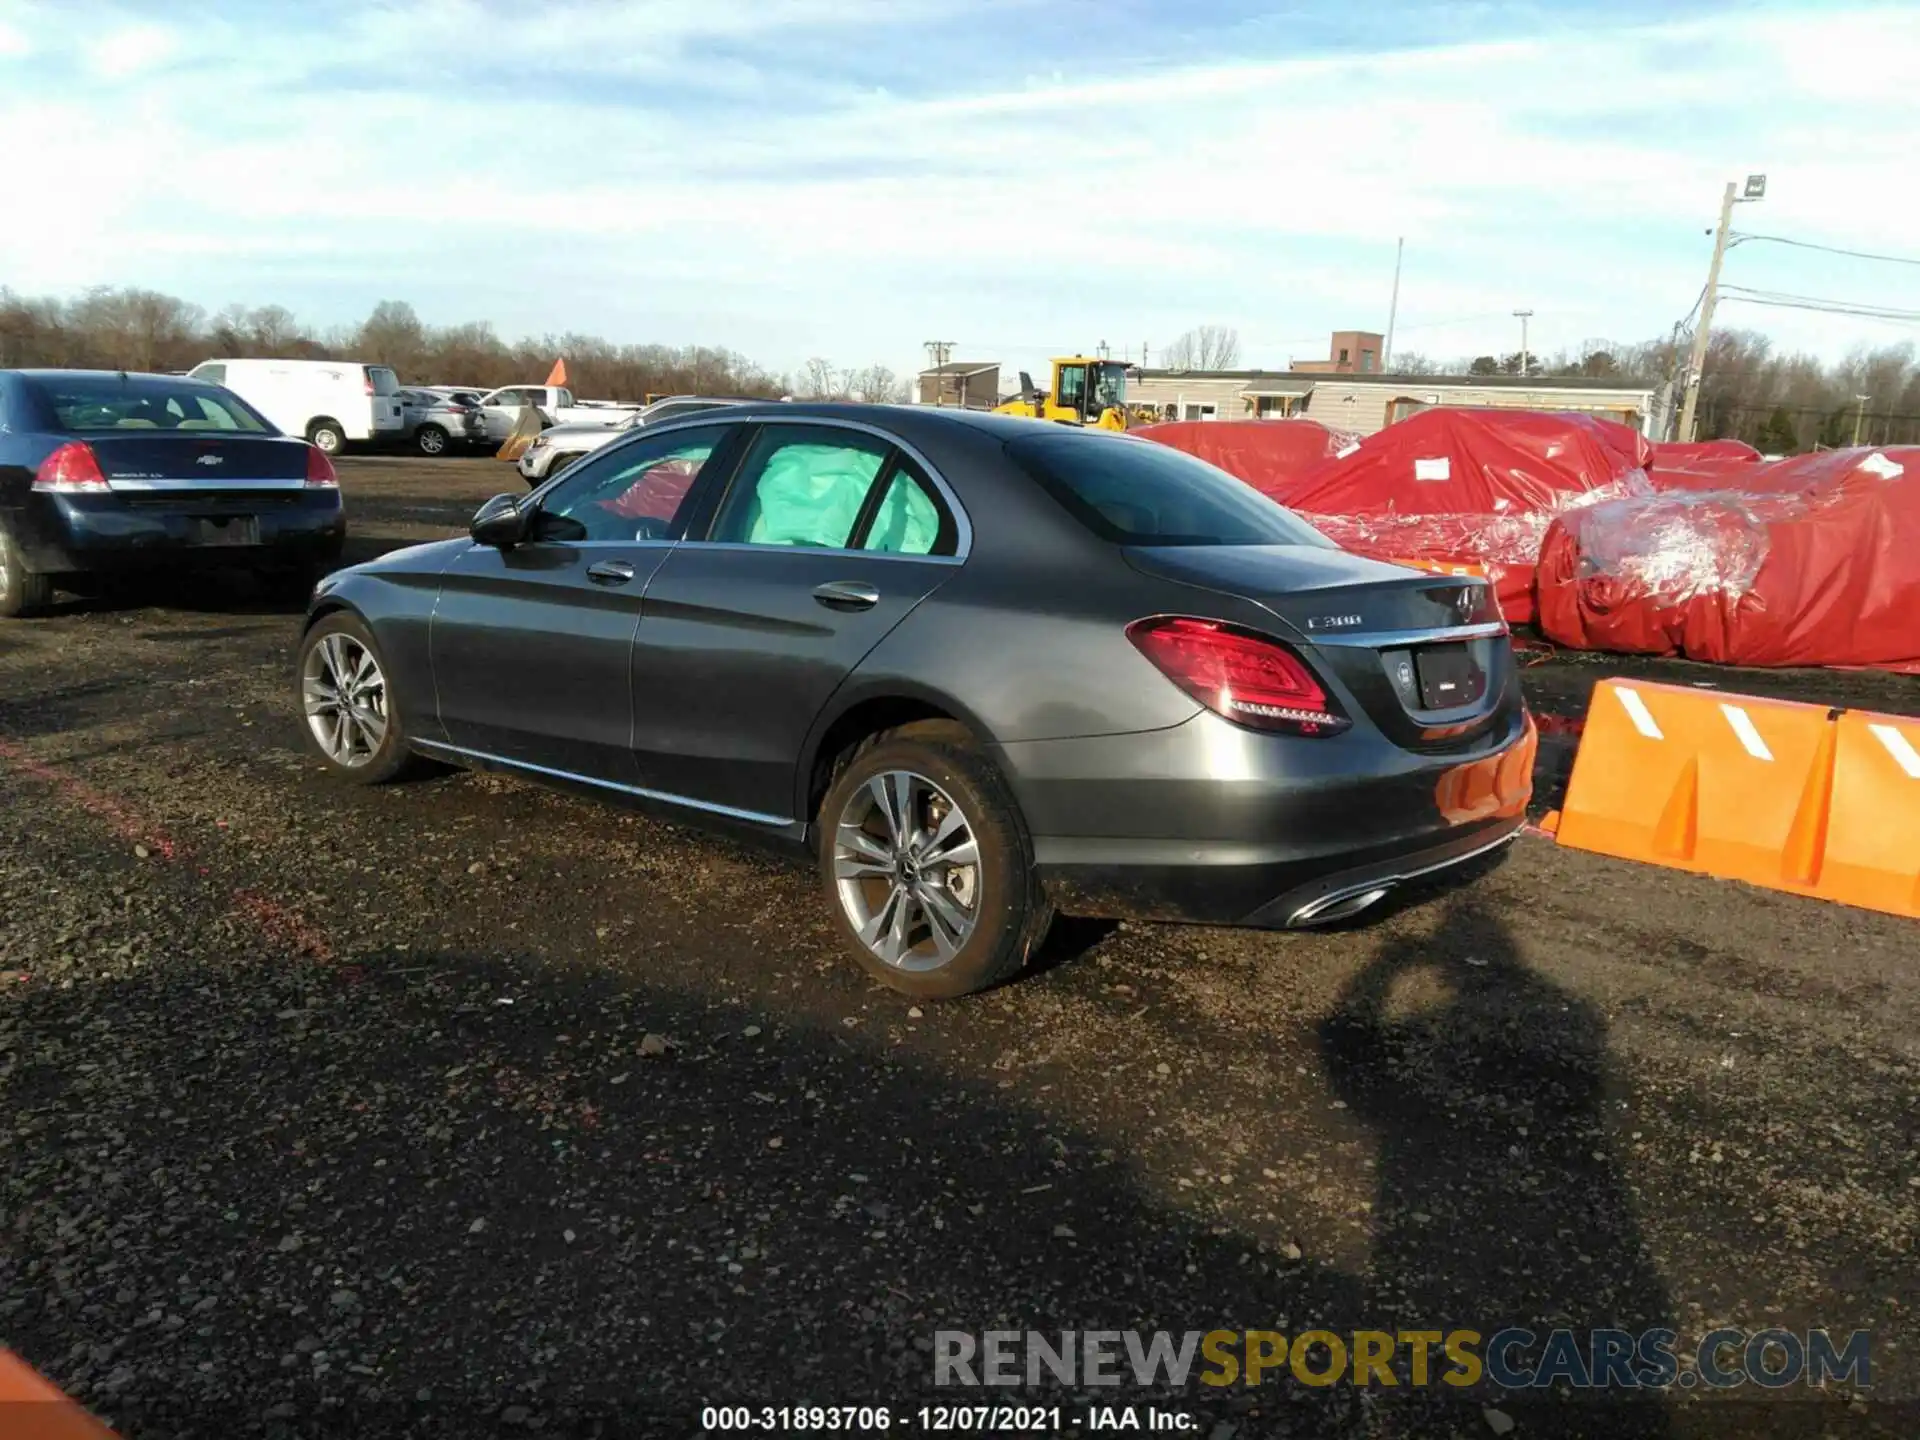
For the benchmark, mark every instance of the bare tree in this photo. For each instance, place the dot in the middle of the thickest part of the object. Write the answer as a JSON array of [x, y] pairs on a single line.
[[1412, 362], [1205, 347], [819, 380], [878, 385]]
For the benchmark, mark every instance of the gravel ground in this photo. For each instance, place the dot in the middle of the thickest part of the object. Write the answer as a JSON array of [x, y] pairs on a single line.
[[460, 1108]]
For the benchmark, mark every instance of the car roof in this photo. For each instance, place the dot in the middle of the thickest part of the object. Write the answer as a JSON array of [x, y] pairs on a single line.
[[55, 372]]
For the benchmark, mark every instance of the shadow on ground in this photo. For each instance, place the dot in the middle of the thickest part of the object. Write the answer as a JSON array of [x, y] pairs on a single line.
[[432, 1194]]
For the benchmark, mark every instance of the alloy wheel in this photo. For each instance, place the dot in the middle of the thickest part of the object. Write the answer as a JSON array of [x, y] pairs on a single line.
[[345, 697], [432, 442], [907, 868]]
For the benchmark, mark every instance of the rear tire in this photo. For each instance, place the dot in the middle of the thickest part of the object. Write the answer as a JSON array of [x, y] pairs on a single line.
[[923, 849], [22, 592], [431, 439], [327, 436], [346, 710]]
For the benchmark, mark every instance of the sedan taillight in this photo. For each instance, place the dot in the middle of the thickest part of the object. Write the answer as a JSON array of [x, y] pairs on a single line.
[[320, 472], [1248, 678], [70, 469]]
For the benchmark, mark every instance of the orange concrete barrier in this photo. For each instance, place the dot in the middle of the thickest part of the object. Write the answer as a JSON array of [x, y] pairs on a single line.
[[31, 1409], [1792, 797]]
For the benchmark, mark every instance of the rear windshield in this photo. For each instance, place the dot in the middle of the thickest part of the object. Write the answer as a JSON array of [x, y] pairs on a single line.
[[385, 382], [1139, 492], [144, 402]]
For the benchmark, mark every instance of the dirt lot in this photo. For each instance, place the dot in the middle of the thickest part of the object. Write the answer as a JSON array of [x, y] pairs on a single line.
[[459, 1106]]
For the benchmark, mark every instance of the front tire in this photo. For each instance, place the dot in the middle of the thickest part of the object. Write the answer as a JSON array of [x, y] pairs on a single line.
[[928, 866], [22, 592], [346, 705], [432, 440]]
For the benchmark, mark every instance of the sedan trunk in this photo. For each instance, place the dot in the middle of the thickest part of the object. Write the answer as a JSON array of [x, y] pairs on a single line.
[[1425, 656]]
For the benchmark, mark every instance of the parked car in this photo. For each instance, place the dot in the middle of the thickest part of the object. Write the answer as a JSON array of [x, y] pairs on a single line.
[[103, 472], [555, 404], [560, 445], [331, 402], [978, 668], [437, 420]]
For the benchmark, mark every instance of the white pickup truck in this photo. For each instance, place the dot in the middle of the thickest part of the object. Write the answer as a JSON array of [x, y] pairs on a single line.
[[555, 403]]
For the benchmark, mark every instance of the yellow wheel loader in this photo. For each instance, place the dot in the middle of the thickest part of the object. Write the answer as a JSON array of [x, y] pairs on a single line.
[[1085, 391]]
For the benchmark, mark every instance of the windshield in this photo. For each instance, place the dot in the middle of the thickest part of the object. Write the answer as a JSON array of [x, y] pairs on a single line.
[[145, 402], [1139, 492], [1110, 386]]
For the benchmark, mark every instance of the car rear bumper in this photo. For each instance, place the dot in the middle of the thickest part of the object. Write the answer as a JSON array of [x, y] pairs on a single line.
[[1212, 824], [84, 534]]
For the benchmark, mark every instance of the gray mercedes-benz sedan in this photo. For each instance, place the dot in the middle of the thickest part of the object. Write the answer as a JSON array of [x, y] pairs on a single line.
[[981, 668]]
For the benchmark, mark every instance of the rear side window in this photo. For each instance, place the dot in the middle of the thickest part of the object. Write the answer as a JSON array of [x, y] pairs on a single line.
[[909, 519], [801, 485], [1137, 492], [142, 402], [385, 382]]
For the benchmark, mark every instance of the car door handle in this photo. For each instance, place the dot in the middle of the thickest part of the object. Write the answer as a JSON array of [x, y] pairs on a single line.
[[846, 595], [610, 572]]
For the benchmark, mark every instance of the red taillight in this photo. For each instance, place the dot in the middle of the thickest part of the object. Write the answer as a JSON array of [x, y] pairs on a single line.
[[1247, 678], [73, 467], [320, 471]]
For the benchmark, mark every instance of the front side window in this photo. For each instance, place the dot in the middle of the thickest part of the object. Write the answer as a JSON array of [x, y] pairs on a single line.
[[630, 492], [1073, 387], [1137, 492], [802, 485]]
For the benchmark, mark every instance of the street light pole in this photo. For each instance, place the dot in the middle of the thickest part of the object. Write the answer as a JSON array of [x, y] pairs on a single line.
[[1523, 316], [1859, 415]]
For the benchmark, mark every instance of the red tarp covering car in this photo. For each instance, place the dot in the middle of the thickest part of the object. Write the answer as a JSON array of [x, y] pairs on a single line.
[[1269, 455], [1470, 489], [1705, 465], [1817, 563]]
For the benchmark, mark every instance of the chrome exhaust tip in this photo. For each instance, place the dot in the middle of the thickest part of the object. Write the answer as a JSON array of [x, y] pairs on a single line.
[[1338, 906]]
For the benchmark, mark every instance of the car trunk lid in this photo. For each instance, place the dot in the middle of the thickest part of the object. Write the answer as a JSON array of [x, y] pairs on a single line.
[[199, 465], [1426, 657]]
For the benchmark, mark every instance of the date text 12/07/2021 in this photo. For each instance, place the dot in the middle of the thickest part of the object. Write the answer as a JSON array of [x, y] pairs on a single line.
[[948, 1419]]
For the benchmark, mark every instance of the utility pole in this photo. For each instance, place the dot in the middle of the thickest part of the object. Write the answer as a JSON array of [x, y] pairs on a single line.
[[1859, 415], [937, 353], [1523, 316], [1143, 354], [1393, 307], [1756, 190]]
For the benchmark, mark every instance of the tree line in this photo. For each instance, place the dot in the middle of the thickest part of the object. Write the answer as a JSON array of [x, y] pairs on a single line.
[[133, 329], [1779, 402]]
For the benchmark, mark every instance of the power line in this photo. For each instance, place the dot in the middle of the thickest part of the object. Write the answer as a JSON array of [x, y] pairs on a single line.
[[1830, 249], [1783, 301]]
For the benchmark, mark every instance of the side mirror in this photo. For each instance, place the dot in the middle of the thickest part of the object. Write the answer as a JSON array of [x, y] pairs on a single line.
[[501, 522]]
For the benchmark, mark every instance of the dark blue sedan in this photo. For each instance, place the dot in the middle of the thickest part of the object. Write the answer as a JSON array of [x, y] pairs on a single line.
[[104, 472]]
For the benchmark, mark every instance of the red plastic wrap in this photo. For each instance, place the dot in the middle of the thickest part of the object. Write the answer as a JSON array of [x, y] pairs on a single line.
[[1269, 455], [1821, 567], [1471, 488], [1685, 452]]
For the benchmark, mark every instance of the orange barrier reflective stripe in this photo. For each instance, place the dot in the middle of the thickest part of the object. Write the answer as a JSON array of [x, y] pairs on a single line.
[[1872, 849], [1445, 567], [1789, 796], [32, 1409]]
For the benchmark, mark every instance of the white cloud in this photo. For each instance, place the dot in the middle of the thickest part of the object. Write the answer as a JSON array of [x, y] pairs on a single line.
[[710, 166], [130, 50], [13, 42]]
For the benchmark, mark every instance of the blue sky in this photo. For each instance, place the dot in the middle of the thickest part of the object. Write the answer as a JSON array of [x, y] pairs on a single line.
[[850, 178]]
